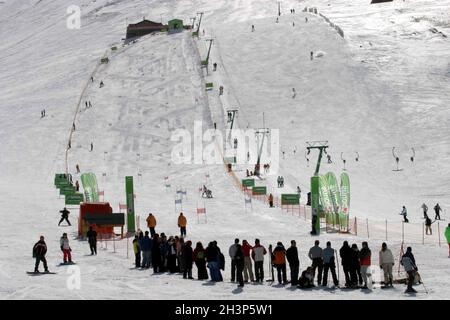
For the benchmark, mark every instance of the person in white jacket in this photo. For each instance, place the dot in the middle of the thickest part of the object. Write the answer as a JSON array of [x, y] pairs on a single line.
[[386, 263], [65, 248]]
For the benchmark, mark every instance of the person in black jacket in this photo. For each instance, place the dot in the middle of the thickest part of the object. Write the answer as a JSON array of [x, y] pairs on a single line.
[[188, 260], [156, 253], [39, 251], [239, 259], [346, 260], [64, 216], [294, 263], [355, 267], [92, 239]]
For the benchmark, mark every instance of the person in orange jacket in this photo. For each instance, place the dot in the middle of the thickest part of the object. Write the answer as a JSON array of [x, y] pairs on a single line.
[[151, 224], [279, 261], [182, 222]]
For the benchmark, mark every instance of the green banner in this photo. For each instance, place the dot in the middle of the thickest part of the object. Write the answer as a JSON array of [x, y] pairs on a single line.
[[345, 200], [130, 204], [291, 199], [248, 182], [325, 199], [335, 193], [66, 190], [259, 191], [90, 186]]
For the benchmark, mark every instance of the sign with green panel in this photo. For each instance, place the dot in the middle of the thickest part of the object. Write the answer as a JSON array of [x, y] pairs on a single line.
[[259, 191], [230, 159], [130, 204], [74, 199], [248, 182], [67, 190], [290, 199]]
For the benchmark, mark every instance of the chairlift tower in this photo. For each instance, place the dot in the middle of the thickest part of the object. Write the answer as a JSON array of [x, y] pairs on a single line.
[[322, 147], [258, 132]]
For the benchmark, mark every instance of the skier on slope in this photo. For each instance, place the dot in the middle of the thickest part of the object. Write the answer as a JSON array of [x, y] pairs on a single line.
[[92, 240], [39, 251], [346, 259], [294, 263], [425, 210], [65, 248], [279, 261], [240, 264], [315, 254], [409, 263], [437, 210], [64, 216], [386, 261], [258, 253], [329, 264], [248, 267], [232, 253], [404, 213], [365, 260], [428, 226]]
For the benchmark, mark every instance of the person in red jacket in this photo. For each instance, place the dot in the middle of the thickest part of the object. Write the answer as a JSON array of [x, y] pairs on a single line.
[[248, 269], [365, 261]]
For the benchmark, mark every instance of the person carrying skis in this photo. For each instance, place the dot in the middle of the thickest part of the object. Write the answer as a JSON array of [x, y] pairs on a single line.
[[258, 253], [409, 263], [39, 251], [92, 240], [279, 261], [404, 213], [437, 210], [386, 264], [447, 236], [240, 264], [365, 261], [64, 216], [329, 264], [425, 210], [315, 254], [137, 251], [151, 224], [248, 268], [346, 260], [294, 263], [232, 253], [182, 222], [65, 248]]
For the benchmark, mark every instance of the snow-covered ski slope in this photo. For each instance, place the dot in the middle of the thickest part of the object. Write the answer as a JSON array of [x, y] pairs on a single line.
[[395, 97]]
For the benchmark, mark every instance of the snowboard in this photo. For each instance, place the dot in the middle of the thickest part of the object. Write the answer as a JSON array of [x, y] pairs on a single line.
[[66, 264], [39, 273]]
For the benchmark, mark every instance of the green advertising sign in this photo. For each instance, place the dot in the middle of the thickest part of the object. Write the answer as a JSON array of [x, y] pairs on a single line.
[[248, 182], [345, 200], [65, 190], [90, 186], [325, 199], [292, 199], [74, 199], [130, 203], [334, 190], [259, 190]]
